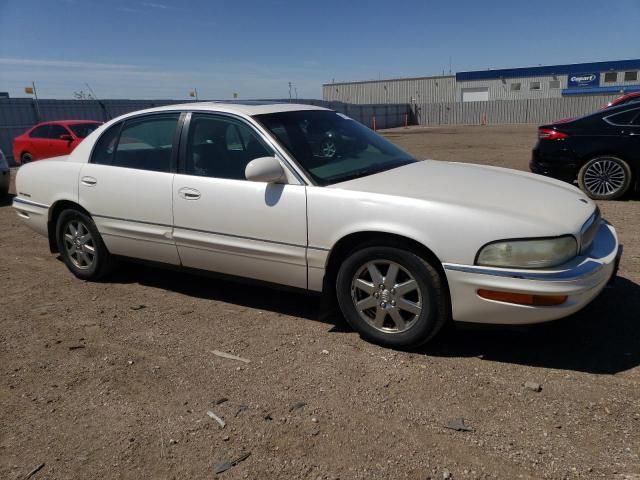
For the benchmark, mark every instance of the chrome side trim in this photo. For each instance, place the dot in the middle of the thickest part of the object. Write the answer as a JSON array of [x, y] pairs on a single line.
[[178, 227], [582, 271], [241, 237], [130, 220], [29, 202]]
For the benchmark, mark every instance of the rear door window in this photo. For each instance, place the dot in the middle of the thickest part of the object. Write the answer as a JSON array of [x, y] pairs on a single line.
[[623, 118], [147, 143]]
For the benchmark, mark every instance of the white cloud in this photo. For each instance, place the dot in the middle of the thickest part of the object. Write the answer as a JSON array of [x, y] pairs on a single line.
[[155, 5], [62, 64], [60, 78]]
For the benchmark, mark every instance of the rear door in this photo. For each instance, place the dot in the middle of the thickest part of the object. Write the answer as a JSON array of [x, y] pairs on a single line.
[[127, 186], [38, 142], [225, 223]]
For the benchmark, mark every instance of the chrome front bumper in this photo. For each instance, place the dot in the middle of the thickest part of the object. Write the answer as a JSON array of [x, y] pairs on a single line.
[[581, 280]]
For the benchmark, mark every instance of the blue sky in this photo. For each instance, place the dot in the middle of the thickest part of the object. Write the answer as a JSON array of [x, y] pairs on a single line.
[[164, 48]]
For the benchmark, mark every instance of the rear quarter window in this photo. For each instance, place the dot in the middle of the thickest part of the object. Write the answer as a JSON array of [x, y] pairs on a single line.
[[105, 146]]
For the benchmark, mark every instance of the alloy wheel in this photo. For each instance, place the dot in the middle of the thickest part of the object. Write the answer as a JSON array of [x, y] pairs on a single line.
[[387, 296], [328, 149], [604, 177], [79, 244]]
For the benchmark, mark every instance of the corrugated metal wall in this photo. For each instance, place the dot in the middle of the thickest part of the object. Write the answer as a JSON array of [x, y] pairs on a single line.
[[506, 111], [502, 90], [19, 114], [446, 89], [410, 90]]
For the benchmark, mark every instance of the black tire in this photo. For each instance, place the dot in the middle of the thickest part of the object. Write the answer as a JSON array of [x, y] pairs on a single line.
[[26, 157], [597, 189], [101, 260], [434, 297]]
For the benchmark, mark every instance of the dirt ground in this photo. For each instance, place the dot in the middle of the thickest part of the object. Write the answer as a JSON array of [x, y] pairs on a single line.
[[115, 379]]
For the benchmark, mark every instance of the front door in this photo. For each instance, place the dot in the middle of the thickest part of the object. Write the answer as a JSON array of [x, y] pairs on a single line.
[[127, 187], [58, 146], [227, 224]]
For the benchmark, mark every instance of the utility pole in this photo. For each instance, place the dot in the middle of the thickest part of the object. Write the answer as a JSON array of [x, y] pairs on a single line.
[[289, 92], [35, 94]]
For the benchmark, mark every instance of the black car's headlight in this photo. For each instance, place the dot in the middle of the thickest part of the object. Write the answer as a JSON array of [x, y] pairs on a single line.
[[530, 253]]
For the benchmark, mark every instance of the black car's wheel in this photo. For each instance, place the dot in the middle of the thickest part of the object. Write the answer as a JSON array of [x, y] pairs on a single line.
[[26, 157], [605, 178], [391, 296], [328, 148], [81, 246]]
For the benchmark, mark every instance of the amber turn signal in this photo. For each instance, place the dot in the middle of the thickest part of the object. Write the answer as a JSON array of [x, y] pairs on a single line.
[[523, 298]]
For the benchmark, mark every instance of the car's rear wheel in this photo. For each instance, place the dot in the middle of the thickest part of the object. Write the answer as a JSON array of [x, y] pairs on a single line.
[[26, 157], [391, 296], [81, 246], [605, 178]]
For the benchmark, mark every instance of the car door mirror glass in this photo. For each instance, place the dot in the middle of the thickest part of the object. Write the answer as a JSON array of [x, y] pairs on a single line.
[[265, 169]]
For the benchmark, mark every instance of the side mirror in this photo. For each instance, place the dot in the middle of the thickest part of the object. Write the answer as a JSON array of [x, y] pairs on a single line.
[[66, 137], [265, 169]]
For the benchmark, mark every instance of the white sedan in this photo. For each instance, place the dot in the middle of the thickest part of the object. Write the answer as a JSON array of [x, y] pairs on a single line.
[[306, 197]]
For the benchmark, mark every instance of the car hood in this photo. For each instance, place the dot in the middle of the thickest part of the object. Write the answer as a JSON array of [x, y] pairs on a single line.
[[513, 193]]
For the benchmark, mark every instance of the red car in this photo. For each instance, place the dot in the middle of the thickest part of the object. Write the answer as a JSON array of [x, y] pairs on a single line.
[[628, 98], [51, 139]]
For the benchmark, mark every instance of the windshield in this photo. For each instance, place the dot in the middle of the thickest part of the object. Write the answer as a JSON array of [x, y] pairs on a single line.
[[331, 147], [82, 130]]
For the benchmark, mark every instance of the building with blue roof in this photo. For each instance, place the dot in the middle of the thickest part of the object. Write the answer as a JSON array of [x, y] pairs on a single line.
[[605, 79]]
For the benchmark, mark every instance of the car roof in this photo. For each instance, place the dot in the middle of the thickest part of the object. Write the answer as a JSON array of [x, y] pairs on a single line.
[[66, 122], [242, 108], [630, 95]]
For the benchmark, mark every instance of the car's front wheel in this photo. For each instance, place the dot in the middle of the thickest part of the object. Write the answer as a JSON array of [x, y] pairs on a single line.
[[392, 297], [328, 148], [81, 246], [605, 178]]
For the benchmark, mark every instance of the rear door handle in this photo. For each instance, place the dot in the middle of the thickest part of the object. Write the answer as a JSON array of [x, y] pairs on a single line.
[[189, 193], [89, 181]]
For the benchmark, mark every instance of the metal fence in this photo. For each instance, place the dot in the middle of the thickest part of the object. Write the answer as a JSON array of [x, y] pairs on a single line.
[[507, 111], [19, 114]]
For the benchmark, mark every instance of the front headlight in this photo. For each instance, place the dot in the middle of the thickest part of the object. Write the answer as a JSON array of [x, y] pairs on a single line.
[[535, 253]]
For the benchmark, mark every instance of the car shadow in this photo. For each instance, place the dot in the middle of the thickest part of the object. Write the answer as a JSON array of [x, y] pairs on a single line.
[[603, 338], [6, 200], [287, 301]]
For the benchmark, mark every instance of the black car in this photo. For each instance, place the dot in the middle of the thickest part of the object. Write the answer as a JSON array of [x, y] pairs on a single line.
[[601, 151]]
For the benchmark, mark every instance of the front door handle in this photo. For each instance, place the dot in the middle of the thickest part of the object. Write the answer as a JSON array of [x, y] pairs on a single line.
[[89, 181], [189, 193]]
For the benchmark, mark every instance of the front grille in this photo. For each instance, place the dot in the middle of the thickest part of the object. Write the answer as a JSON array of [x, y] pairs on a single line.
[[589, 230]]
